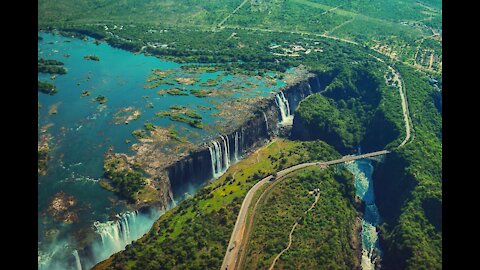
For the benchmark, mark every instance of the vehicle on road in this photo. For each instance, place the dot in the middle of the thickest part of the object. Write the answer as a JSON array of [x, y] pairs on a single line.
[[232, 247]]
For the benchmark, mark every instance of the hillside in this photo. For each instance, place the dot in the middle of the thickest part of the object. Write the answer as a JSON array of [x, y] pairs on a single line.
[[195, 233], [342, 50], [349, 113], [412, 36], [323, 239], [408, 186]]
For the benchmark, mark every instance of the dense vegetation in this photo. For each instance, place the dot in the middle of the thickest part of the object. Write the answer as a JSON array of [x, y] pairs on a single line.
[[51, 66], [351, 109], [261, 36], [91, 57], [320, 119], [248, 51], [195, 234], [123, 179], [192, 122], [324, 237], [50, 62], [52, 69], [400, 29], [47, 88], [100, 99], [139, 134], [408, 186], [184, 115]]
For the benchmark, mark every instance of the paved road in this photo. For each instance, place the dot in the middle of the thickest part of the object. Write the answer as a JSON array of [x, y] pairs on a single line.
[[237, 235], [232, 253], [406, 117]]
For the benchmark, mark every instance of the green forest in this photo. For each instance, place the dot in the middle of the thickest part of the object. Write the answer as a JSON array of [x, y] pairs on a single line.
[[408, 186], [348, 46], [401, 30], [324, 237], [194, 235], [351, 109]]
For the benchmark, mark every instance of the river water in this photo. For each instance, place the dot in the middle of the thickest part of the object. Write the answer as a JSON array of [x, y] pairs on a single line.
[[82, 131], [362, 170]]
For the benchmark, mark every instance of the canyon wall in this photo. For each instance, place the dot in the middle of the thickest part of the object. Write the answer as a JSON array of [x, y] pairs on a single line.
[[210, 160]]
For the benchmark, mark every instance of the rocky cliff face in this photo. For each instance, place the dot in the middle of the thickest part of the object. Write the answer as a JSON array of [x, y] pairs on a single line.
[[392, 189], [196, 168], [190, 171]]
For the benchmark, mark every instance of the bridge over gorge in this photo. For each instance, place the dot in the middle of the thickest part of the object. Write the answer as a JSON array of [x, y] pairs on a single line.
[[241, 230]]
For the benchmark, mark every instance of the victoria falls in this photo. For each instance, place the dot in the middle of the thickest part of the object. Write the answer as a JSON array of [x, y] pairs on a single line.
[[239, 134]]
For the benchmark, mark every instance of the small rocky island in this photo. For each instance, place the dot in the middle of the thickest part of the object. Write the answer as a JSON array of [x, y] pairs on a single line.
[[91, 57]]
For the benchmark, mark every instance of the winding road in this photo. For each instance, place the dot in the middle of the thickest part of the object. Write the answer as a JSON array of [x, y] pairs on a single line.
[[236, 247], [406, 116], [233, 251]]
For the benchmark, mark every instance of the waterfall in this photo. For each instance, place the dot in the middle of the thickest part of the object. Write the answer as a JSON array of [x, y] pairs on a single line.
[[220, 156], [77, 260], [226, 154], [236, 146], [213, 159], [218, 161], [266, 121], [285, 102], [309, 88], [280, 105], [243, 142], [173, 203], [284, 107], [117, 234], [318, 83], [228, 151]]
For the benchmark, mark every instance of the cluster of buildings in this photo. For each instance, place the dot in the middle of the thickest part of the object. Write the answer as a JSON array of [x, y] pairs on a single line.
[[294, 49]]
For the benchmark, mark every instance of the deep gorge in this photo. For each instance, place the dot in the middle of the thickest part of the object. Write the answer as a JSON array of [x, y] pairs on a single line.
[[212, 159]]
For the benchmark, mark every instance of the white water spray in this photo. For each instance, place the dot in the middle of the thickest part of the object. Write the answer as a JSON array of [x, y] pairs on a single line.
[[116, 235], [318, 83], [220, 155], [213, 159], [78, 265], [283, 105], [309, 89], [217, 154], [236, 146], [243, 141], [226, 144], [266, 121]]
